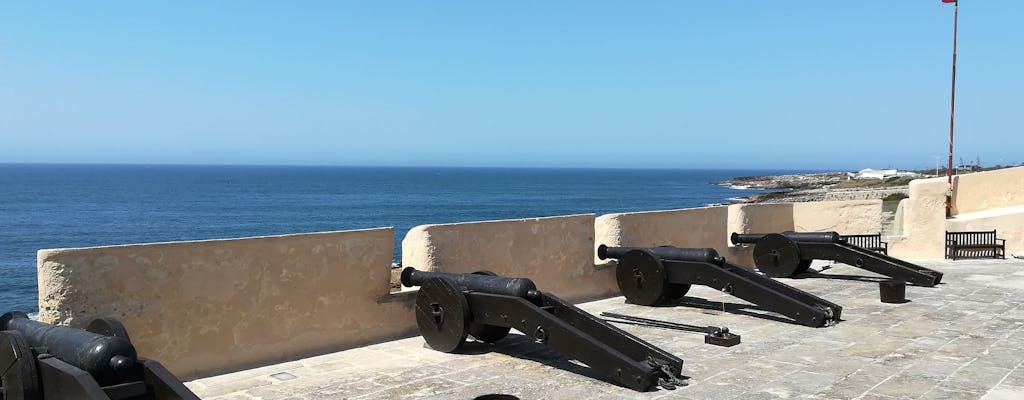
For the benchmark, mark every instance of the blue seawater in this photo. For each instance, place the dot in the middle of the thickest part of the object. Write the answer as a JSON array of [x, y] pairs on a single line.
[[46, 206]]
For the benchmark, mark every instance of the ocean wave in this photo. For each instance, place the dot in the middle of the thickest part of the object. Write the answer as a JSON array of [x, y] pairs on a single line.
[[737, 199], [739, 187]]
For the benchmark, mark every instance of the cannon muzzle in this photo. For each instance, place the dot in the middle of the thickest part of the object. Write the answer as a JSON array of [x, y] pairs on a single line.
[[518, 287], [705, 255], [108, 359]]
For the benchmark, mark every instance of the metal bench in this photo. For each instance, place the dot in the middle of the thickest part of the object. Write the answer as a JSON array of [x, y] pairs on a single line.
[[871, 242], [974, 244]]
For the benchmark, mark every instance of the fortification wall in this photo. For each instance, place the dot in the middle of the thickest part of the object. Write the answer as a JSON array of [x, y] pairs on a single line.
[[204, 307], [555, 252], [207, 307], [981, 201], [924, 221], [988, 190], [691, 227], [876, 194], [711, 226], [846, 217]]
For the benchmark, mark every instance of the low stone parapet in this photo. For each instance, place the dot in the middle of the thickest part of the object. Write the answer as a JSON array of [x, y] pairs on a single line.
[[204, 307], [557, 253]]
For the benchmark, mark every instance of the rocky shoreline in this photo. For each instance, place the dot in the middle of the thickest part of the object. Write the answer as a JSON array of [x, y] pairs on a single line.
[[796, 188]]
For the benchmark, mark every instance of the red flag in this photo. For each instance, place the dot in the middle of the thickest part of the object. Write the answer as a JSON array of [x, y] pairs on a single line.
[[949, 1]]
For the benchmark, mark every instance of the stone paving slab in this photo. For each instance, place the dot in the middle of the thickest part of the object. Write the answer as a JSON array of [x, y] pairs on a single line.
[[960, 340]]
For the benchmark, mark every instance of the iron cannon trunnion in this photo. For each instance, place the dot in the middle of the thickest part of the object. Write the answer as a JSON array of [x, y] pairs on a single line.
[[451, 306], [651, 275], [788, 253]]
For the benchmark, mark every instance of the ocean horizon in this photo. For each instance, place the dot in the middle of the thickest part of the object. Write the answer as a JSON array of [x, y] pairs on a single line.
[[45, 206]]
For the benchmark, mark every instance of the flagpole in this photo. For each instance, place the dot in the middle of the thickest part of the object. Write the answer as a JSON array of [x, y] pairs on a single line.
[[952, 103]]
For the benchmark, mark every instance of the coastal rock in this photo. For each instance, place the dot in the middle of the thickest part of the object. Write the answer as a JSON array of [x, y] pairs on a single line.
[[791, 181], [801, 188]]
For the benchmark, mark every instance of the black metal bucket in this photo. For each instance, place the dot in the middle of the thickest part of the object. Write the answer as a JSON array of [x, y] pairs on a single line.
[[894, 292]]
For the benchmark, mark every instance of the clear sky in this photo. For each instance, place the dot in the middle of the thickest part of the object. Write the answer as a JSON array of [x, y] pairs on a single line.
[[710, 84]]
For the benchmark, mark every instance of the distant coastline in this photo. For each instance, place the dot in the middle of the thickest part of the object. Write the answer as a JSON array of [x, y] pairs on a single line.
[[795, 188]]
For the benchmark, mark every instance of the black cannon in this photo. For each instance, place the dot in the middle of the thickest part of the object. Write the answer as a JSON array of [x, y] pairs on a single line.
[[788, 253], [652, 275], [43, 361], [449, 307]]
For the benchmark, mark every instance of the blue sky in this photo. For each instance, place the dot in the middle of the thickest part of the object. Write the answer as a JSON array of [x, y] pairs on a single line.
[[666, 84]]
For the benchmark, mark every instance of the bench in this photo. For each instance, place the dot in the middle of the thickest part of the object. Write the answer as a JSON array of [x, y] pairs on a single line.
[[871, 242], [974, 244]]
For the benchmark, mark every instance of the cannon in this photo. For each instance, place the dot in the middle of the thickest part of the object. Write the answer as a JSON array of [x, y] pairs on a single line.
[[42, 361], [450, 307], [653, 275], [789, 253]]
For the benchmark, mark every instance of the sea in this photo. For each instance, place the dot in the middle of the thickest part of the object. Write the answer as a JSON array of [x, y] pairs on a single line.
[[45, 206]]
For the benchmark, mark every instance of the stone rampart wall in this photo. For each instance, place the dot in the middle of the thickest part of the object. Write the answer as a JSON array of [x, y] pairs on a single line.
[[988, 190], [977, 200], [555, 252], [206, 307], [711, 226]]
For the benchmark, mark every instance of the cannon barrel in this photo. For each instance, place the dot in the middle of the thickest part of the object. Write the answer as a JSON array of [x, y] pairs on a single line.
[[706, 255], [815, 237], [748, 238], [518, 287], [106, 358]]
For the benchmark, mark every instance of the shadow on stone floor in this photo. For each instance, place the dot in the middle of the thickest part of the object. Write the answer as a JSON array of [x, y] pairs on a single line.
[[750, 310], [525, 348]]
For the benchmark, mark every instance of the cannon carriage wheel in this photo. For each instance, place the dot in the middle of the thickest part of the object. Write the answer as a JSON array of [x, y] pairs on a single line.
[[20, 379], [778, 256], [442, 315], [108, 326], [642, 279], [487, 333]]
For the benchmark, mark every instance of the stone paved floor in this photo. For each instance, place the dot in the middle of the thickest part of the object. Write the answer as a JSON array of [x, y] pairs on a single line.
[[962, 339]]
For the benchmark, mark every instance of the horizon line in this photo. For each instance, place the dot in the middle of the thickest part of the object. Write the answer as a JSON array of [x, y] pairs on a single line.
[[286, 165]]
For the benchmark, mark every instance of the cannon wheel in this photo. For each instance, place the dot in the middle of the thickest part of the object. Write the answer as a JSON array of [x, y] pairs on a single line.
[[676, 291], [642, 278], [442, 314], [20, 380], [484, 332], [108, 326], [777, 256], [803, 266]]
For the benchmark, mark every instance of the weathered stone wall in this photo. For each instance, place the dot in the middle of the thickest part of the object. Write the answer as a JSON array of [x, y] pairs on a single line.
[[756, 218], [924, 221], [981, 201], [711, 226], [846, 217], [876, 194], [692, 227], [213, 306], [988, 190], [206, 307], [555, 252]]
